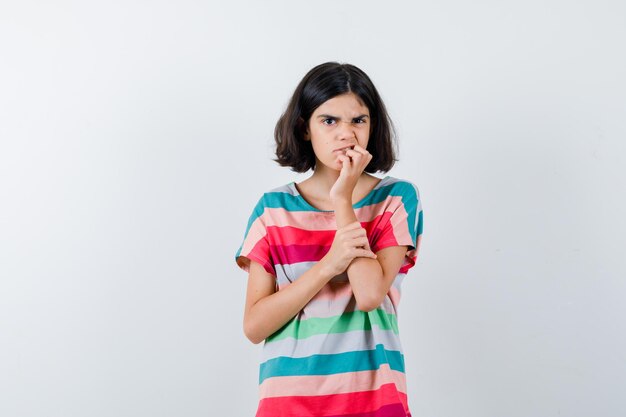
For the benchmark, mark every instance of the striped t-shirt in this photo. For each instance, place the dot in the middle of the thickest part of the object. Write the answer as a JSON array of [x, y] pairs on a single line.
[[332, 359]]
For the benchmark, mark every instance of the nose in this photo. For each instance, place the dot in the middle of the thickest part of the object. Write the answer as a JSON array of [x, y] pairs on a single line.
[[346, 131]]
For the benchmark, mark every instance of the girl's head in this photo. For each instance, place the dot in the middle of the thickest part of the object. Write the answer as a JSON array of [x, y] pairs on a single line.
[[335, 105]]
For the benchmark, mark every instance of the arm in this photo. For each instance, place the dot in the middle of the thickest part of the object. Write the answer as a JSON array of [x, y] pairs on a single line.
[[370, 289], [267, 310], [370, 278]]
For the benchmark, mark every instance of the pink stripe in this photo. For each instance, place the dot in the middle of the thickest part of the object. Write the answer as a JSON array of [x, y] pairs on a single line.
[[297, 253], [400, 227], [288, 236], [291, 254], [316, 230], [257, 254], [256, 233], [334, 404], [314, 221], [390, 410], [394, 296], [332, 384], [281, 217]]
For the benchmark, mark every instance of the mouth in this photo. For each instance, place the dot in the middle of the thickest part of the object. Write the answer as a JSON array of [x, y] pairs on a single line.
[[344, 148]]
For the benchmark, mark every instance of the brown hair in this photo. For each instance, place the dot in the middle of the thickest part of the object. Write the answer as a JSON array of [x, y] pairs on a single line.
[[320, 84]]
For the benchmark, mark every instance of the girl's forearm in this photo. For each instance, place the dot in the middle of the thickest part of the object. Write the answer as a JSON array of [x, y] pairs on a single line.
[[366, 279], [272, 312], [365, 274]]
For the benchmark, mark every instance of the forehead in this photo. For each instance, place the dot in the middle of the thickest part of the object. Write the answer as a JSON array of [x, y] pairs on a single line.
[[348, 104]]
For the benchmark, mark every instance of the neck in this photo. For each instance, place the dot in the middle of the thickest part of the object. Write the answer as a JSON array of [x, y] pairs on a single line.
[[325, 178]]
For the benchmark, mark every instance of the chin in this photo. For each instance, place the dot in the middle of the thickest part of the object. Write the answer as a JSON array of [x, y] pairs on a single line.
[[334, 166]]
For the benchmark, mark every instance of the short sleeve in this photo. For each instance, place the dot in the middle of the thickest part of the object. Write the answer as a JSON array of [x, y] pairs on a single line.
[[403, 224], [255, 245]]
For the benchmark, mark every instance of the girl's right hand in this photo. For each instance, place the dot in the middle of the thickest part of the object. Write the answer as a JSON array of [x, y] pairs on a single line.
[[350, 242]]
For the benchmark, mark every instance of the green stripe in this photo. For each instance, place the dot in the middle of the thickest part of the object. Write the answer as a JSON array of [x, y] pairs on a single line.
[[354, 320], [365, 360]]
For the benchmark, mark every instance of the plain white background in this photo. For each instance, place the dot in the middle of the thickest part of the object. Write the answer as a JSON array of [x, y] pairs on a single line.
[[136, 136]]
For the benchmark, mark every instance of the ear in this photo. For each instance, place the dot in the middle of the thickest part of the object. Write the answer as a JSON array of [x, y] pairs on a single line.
[[306, 135]]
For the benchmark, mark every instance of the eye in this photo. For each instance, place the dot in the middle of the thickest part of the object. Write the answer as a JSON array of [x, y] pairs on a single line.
[[359, 120], [328, 121]]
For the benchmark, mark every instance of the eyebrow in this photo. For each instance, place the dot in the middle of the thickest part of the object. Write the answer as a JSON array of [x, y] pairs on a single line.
[[328, 116]]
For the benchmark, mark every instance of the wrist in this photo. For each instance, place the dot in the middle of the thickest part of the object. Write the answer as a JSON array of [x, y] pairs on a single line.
[[340, 202], [326, 270]]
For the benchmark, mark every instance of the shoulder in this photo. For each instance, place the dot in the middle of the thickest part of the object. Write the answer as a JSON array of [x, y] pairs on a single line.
[[277, 197], [398, 187]]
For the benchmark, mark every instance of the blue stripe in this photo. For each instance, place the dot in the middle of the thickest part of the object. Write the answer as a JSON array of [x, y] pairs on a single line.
[[420, 223], [365, 360], [402, 189], [256, 213]]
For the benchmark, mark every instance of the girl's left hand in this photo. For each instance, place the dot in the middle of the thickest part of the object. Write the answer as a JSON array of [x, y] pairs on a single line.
[[353, 163]]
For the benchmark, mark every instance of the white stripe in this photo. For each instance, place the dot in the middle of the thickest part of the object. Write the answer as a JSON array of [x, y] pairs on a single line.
[[324, 344]]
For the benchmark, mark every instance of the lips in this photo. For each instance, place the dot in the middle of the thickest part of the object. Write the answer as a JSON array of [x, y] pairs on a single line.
[[343, 148]]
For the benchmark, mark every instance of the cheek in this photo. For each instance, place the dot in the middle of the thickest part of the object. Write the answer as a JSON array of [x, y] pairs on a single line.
[[321, 146], [363, 139]]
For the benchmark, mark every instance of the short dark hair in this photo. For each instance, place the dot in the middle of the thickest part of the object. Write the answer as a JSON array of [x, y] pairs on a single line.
[[320, 84]]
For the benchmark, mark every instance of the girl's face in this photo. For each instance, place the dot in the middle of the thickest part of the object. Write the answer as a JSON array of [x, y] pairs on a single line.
[[337, 125]]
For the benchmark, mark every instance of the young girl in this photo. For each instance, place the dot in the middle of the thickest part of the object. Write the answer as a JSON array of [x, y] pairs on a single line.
[[326, 257]]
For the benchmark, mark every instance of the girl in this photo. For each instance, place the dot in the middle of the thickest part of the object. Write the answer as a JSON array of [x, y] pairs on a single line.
[[326, 257]]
